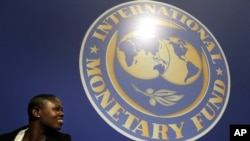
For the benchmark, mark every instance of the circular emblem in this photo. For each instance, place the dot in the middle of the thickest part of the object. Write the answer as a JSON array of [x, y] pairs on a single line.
[[154, 72]]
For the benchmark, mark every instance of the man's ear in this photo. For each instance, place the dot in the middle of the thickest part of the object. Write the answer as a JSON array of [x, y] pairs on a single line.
[[36, 112]]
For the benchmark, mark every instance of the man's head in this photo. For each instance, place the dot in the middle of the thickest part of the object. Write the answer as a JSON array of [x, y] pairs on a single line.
[[47, 109]]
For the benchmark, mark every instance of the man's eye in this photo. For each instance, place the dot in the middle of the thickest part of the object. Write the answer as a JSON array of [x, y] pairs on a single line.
[[57, 109]]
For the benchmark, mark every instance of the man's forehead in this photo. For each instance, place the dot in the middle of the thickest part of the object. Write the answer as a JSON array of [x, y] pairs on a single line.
[[52, 101]]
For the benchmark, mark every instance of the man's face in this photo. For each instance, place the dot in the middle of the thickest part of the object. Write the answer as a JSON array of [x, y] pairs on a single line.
[[51, 114]]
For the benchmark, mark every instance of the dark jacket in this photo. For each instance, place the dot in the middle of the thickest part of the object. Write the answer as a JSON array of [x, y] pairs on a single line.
[[50, 136]]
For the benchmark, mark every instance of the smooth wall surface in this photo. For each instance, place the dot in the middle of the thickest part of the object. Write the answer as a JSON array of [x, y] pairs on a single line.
[[40, 43]]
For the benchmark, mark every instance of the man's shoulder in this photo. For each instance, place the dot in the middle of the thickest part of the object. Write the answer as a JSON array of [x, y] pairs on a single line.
[[10, 136]]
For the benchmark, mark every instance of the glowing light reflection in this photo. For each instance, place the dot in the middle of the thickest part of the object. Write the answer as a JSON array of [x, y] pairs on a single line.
[[146, 28]]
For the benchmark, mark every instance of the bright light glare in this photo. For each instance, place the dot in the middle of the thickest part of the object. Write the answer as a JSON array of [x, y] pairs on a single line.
[[146, 28]]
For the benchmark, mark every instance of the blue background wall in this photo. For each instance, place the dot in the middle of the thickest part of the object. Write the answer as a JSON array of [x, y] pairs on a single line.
[[39, 52]]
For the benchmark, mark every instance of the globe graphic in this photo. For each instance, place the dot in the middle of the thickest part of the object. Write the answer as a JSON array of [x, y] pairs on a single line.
[[185, 62], [173, 59], [143, 57]]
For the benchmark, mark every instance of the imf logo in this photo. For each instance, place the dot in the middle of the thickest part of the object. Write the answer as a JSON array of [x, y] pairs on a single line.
[[154, 72]]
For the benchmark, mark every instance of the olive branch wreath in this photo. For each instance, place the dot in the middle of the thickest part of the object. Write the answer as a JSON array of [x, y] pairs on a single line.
[[162, 96]]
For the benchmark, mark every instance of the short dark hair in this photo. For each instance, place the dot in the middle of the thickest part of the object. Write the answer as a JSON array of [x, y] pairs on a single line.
[[38, 101]]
